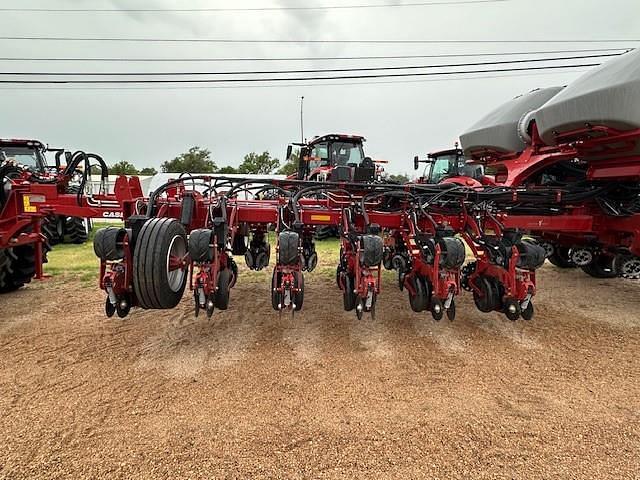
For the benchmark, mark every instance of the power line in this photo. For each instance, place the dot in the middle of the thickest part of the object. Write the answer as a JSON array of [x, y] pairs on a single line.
[[307, 41], [288, 79], [301, 59], [250, 9], [323, 70], [281, 85]]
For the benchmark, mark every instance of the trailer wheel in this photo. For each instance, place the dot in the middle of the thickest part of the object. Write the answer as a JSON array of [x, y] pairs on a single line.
[[419, 301], [561, 257], [488, 301], [223, 291], [349, 297], [453, 252], [157, 279], [75, 230], [602, 266]]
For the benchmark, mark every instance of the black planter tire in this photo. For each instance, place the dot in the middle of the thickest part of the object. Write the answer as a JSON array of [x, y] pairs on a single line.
[[560, 258], [224, 289], [108, 243], [200, 249], [453, 252], [288, 248], [602, 266], [155, 286], [349, 298], [419, 301]]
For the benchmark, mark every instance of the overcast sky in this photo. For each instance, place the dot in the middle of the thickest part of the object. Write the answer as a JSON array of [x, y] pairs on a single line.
[[399, 119]]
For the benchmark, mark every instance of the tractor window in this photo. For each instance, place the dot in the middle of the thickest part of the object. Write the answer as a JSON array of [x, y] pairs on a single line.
[[443, 167], [319, 156], [21, 155], [347, 153]]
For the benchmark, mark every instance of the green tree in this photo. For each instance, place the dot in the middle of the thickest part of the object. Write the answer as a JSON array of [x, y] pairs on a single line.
[[291, 165], [123, 168], [227, 170], [148, 171], [255, 164], [399, 178], [196, 160]]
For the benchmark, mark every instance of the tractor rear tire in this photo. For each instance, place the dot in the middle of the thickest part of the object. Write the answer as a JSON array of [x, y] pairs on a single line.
[[155, 286], [53, 228], [75, 230], [22, 269], [5, 268]]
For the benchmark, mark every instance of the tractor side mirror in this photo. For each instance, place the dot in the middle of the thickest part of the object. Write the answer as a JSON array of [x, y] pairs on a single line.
[[416, 162], [289, 150]]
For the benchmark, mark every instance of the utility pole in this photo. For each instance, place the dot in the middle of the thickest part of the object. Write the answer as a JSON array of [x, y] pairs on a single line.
[[302, 119]]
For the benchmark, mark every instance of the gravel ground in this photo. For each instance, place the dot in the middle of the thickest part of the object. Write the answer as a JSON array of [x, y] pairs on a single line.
[[321, 395]]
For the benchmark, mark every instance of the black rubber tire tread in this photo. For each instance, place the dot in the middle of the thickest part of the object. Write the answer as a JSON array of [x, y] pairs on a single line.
[[372, 250], [299, 297], [453, 252], [75, 230], [5, 268], [532, 255], [49, 228], [23, 267], [602, 266], [288, 253], [349, 298], [240, 244], [200, 245], [107, 243], [326, 231], [275, 296], [150, 281], [485, 304], [223, 291], [419, 301], [560, 258]]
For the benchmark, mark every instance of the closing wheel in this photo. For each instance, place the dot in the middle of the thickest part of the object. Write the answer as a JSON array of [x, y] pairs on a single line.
[[451, 311], [528, 312], [276, 297], [486, 301], [512, 309], [159, 273], [224, 287], [437, 309], [418, 301], [123, 307], [211, 305], [109, 308], [350, 299], [298, 298]]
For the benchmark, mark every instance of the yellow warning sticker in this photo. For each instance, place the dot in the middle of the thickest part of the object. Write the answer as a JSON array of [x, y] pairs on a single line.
[[28, 208], [321, 218]]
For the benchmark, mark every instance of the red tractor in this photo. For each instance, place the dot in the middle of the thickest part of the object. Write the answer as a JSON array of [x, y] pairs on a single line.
[[30, 155]]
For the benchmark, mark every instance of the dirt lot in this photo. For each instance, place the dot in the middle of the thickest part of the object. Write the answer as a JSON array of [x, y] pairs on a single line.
[[321, 395]]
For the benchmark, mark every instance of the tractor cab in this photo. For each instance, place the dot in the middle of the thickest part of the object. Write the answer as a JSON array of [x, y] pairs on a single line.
[[334, 158], [27, 154], [449, 166]]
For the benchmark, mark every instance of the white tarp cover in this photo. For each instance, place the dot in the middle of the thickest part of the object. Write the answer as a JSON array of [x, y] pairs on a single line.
[[499, 129], [607, 95]]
